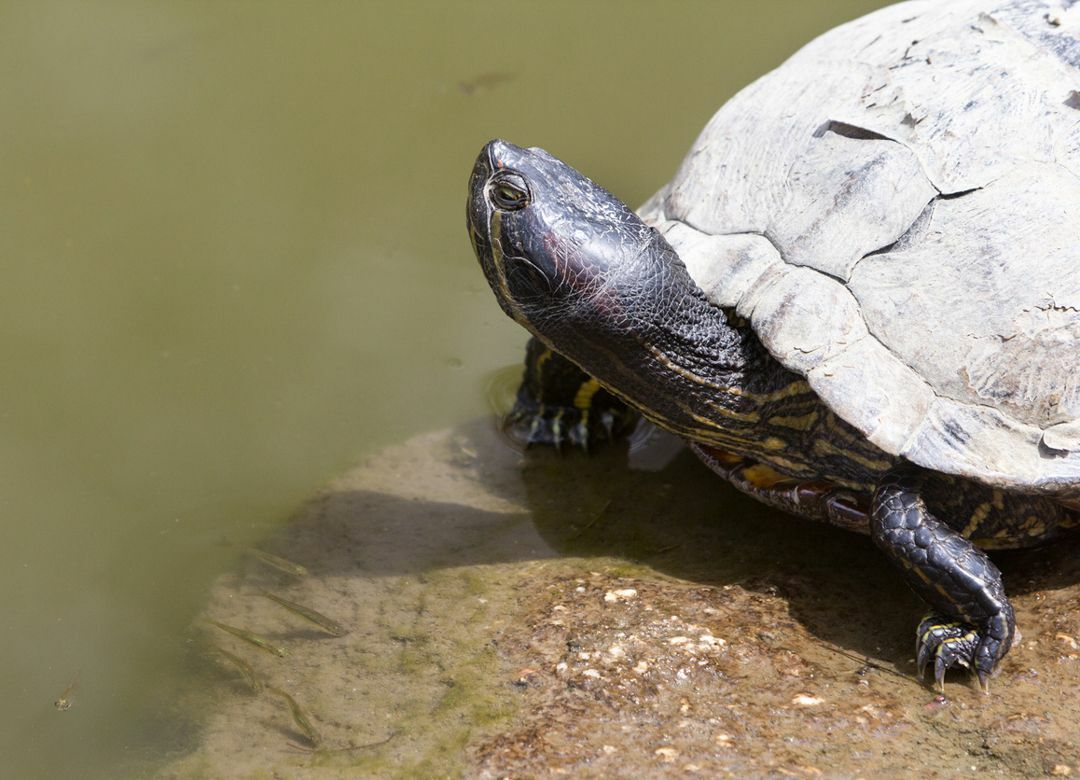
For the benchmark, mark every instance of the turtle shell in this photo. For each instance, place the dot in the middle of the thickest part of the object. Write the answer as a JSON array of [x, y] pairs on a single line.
[[896, 210]]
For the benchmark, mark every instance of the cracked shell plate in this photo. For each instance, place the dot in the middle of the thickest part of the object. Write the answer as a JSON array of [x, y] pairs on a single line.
[[896, 209]]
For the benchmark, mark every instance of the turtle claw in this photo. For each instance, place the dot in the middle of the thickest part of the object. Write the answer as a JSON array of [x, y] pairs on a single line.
[[531, 422], [556, 426], [939, 673], [924, 651], [949, 643], [558, 405]]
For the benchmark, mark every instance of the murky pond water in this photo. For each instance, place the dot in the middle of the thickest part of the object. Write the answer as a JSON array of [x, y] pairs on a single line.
[[235, 263]]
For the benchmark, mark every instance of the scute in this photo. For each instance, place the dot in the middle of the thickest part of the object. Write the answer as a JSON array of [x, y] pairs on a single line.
[[881, 191], [970, 308], [804, 315], [897, 210]]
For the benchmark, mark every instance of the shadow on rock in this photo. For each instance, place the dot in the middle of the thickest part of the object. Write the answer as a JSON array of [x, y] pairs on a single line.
[[657, 506], [612, 615]]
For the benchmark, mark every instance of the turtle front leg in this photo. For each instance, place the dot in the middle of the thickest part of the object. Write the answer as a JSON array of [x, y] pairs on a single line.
[[972, 622], [557, 402]]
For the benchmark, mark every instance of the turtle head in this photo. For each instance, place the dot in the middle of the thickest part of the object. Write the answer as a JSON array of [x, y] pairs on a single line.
[[553, 245], [578, 268]]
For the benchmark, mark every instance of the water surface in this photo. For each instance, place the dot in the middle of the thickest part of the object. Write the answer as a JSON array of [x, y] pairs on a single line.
[[235, 261]]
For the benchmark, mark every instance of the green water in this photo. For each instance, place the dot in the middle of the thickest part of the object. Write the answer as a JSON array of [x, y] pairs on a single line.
[[234, 261]]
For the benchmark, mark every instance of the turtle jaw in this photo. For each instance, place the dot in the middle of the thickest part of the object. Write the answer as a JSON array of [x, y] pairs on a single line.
[[487, 224], [478, 213]]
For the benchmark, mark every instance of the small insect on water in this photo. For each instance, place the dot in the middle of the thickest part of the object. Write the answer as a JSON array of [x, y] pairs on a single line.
[[67, 698]]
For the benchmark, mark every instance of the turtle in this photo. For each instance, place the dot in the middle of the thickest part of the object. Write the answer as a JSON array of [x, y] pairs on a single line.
[[858, 299]]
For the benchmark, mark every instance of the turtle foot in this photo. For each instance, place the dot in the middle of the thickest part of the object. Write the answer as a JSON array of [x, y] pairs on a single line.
[[558, 426], [559, 404], [949, 642], [972, 622]]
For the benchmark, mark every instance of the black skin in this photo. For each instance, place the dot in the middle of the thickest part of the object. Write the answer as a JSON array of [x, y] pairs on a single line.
[[593, 283], [914, 540]]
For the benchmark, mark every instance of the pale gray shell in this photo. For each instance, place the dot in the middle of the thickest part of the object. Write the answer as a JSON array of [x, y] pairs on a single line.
[[896, 209]]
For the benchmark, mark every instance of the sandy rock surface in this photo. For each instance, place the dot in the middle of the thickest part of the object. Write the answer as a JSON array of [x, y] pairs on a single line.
[[534, 616]]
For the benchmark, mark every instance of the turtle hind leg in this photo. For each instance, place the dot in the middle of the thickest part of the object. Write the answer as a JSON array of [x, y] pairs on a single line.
[[558, 403], [972, 623]]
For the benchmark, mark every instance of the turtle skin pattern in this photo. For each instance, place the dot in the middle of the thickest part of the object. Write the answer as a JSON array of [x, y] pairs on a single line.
[[972, 622]]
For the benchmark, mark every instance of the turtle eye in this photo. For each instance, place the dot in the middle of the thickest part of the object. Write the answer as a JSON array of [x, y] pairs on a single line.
[[508, 192]]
